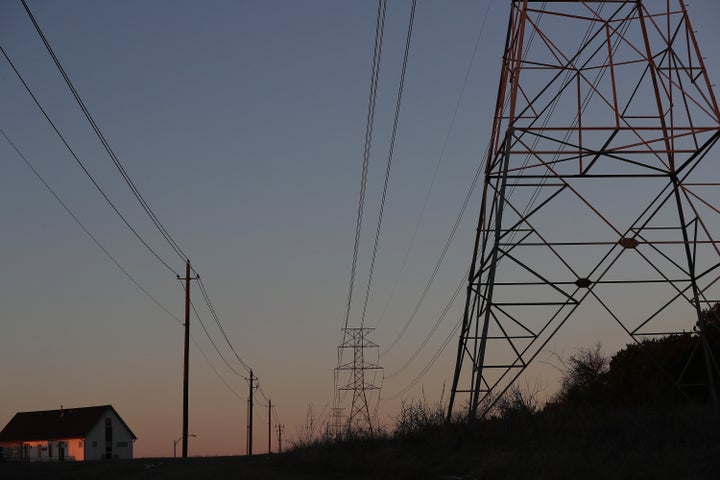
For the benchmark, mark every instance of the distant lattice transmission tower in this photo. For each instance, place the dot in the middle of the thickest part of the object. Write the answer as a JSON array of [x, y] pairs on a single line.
[[599, 206], [359, 371]]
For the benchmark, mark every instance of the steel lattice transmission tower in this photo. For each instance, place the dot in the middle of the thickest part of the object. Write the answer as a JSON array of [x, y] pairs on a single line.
[[336, 423], [359, 383], [599, 206]]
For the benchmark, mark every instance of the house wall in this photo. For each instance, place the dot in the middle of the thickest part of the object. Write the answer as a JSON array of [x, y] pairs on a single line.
[[10, 450], [121, 445], [43, 450], [75, 447]]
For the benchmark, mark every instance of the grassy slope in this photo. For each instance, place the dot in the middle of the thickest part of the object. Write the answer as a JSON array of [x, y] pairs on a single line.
[[682, 443]]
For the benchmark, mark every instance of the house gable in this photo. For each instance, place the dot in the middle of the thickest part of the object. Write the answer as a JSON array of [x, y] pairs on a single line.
[[109, 438]]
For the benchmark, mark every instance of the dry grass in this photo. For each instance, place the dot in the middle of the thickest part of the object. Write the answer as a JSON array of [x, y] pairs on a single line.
[[597, 443]]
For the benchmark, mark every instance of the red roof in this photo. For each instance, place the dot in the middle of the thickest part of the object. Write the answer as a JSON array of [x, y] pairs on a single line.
[[55, 424]]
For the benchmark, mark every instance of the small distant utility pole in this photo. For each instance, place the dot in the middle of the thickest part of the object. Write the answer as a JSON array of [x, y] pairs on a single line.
[[186, 357], [280, 429], [250, 413], [269, 425]]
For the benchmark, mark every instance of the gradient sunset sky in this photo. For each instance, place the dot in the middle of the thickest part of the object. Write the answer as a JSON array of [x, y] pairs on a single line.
[[243, 124]]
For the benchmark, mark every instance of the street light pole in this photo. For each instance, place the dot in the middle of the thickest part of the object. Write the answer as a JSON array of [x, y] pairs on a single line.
[[175, 442]]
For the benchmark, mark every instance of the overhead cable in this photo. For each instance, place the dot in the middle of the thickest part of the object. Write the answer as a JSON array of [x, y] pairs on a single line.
[[389, 161], [377, 52], [212, 342], [429, 365], [215, 316], [434, 328], [103, 140], [128, 180], [82, 166], [441, 157], [448, 242], [85, 229], [222, 379]]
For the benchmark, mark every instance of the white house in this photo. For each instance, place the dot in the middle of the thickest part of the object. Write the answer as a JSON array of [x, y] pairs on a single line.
[[86, 433]]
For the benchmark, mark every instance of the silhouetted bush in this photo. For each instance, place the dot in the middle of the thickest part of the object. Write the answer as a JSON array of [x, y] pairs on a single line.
[[647, 372], [669, 370], [584, 379], [661, 372]]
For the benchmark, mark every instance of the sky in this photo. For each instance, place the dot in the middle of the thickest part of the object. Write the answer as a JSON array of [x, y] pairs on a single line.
[[243, 125]]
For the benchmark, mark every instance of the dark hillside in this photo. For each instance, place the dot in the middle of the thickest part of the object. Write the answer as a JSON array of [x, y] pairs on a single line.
[[617, 444]]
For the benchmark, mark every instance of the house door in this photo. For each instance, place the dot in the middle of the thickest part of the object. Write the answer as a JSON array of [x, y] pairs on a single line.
[[61, 451]]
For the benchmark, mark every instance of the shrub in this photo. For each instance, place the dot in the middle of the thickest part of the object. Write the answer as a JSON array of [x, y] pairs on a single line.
[[584, 378]]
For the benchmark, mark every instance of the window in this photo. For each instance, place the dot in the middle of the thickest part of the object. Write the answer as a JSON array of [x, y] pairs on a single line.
[[122, 444], [95, 443], [108, 438], [80, 444]]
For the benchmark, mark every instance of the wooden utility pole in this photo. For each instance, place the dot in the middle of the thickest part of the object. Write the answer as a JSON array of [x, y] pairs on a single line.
[[280, 429], [250, 414], [186, 363], [269, 425]]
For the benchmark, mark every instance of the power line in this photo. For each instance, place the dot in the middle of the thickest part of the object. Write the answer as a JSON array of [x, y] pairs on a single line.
[[448, 242], [113, 259], [85, 229], [429, 365], [377, 52], [262, 393], [213, 313], [275, 412], [136, 192], [440, 157], [215, 370], [207, 333], [82, 166], [434, 328], [215, 316], [103, 140], [117, 264], [389, 160]]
